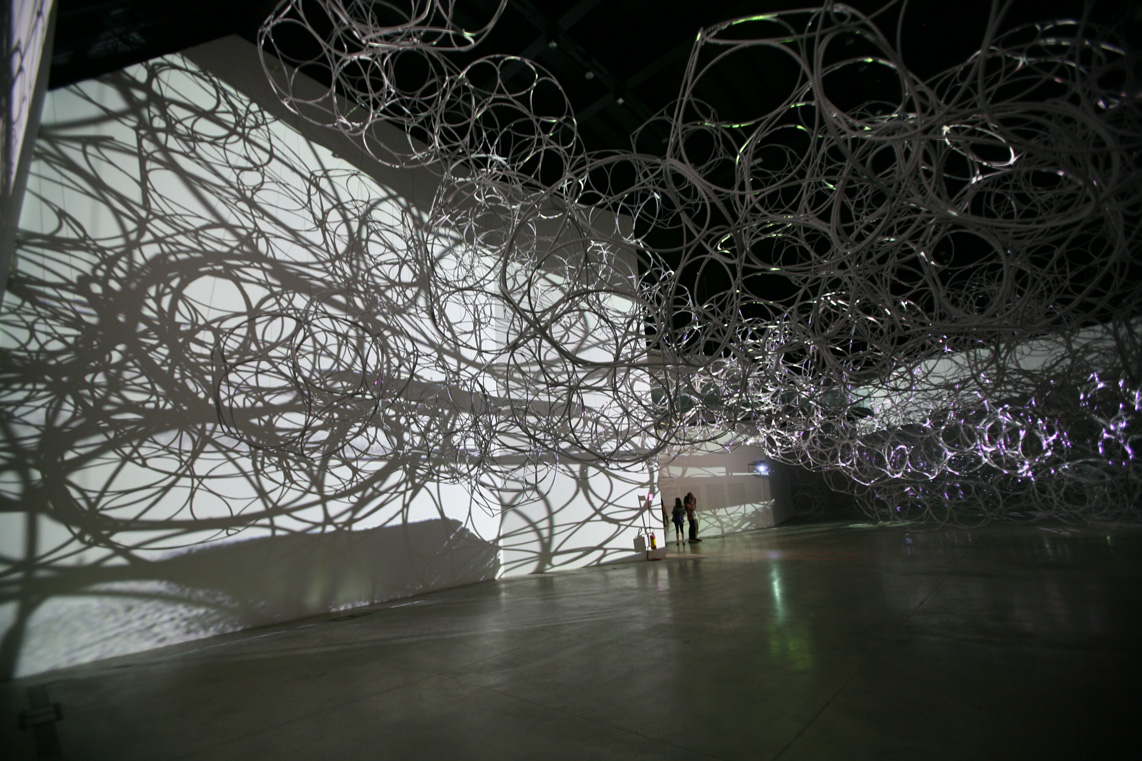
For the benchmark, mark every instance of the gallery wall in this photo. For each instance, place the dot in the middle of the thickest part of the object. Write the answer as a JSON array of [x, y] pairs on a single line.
[[237, 391]]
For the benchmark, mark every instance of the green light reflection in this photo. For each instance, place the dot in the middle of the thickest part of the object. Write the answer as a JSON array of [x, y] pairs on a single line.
[[789, 640]]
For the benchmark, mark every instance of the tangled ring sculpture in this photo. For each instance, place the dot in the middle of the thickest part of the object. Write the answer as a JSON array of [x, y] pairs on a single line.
[[934, 292]]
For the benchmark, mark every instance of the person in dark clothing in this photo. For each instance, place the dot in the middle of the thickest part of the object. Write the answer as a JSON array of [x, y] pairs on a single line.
[[676, 516], [691, 505]]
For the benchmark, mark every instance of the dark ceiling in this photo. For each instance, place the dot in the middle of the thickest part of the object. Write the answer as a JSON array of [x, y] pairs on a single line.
[[619, 61]]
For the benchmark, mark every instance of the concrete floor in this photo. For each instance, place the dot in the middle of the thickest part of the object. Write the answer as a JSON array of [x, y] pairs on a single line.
[[814, 642]]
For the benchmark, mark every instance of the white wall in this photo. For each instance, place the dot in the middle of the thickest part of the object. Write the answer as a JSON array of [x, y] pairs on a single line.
[[184, 249]]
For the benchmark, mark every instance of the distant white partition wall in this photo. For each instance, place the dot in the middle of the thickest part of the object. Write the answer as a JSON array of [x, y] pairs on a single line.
[[247, 382], [732, 493]]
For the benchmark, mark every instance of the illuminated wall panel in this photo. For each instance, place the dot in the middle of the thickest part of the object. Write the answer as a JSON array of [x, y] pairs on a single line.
[[240, 386]]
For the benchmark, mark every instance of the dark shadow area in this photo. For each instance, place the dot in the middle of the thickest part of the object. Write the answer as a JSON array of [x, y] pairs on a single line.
[[812, 500]]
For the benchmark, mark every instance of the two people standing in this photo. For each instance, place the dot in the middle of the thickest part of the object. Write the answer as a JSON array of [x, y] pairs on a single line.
[[688, 506]]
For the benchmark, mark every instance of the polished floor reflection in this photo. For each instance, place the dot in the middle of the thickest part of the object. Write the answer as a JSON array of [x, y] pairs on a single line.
[[814, 642]]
